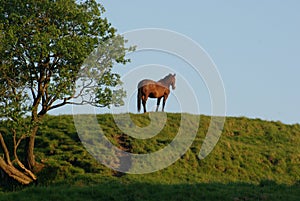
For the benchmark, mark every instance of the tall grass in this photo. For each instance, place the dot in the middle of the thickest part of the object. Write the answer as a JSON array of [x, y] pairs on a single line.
[[253, 160]]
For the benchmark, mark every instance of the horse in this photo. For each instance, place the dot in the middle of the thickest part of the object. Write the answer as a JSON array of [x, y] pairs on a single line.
[[152, 89]]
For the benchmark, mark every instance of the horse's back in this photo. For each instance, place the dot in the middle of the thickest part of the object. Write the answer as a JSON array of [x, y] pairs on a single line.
[[145, 82]]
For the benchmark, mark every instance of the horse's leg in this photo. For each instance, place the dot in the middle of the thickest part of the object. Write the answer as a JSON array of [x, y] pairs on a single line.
[[144, 100], [164, 102], [158, 102]]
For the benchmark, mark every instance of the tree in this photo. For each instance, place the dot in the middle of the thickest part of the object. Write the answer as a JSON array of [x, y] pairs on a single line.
[[53, 53]]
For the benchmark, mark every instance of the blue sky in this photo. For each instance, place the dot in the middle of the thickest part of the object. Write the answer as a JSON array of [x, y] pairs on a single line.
[[255, 46]]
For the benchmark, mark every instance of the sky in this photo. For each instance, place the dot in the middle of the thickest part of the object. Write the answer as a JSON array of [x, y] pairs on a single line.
[[254, 45]]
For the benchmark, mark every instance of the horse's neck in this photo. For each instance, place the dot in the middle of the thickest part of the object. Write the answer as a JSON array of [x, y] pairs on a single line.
[[165, 83]]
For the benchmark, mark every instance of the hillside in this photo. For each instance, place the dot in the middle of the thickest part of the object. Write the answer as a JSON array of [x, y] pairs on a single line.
[[251, 155]]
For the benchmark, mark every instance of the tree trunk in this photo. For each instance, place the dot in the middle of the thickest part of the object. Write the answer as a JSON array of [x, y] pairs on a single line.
[[14, 173], [29, 149], [8, 168]]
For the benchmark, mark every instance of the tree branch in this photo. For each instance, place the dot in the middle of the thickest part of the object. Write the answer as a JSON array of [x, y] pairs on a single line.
[[20, 164], [5, 150], [65, 102]]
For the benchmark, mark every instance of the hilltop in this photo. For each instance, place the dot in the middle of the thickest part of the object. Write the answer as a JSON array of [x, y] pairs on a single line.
[[250, 154]]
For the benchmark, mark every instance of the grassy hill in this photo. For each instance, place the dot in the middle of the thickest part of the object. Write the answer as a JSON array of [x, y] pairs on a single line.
[[253, 160]]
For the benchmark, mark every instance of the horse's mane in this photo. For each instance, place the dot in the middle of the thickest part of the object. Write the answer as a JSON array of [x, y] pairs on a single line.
[[166, 78]]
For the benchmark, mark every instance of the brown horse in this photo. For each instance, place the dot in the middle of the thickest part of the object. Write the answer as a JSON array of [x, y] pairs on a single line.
[[151, 89]]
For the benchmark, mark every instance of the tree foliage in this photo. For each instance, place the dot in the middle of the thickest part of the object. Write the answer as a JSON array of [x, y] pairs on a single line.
[[54, 53]]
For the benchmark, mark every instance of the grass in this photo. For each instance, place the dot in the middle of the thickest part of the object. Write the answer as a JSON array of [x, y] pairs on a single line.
[[148, 191], [253, 160]]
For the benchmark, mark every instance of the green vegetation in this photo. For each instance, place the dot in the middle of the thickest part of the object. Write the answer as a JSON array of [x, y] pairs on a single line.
[[53, 53], [253, 160], [154, 192]]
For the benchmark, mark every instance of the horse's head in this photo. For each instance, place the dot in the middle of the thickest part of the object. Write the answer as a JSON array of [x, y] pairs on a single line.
[[168, 81], [173, 80]]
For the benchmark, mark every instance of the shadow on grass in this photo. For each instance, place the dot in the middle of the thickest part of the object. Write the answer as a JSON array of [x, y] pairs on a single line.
[[266, 190]]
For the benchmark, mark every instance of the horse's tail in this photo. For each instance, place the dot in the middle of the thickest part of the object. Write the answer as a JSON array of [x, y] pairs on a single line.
[[139, 98]]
